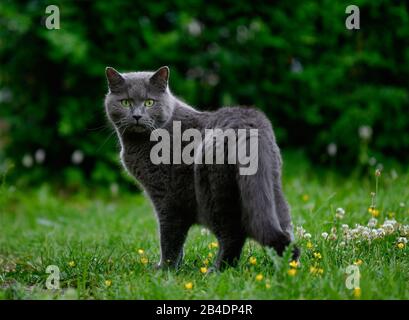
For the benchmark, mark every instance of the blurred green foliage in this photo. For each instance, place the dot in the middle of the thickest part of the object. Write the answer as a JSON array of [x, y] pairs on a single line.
[[317, 81]]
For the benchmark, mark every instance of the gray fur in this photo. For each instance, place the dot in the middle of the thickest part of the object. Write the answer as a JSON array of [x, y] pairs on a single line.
[[232, 206]]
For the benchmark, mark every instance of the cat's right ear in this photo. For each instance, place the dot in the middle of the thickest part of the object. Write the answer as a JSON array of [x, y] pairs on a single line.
[[115, 79]]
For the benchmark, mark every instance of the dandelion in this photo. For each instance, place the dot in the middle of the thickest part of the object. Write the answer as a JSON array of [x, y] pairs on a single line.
[[144, 260], [39, 156], [305, 197], [213, 245], [374, 213], [77, 157], [253, 260], [365, 132], [309, 245], [292, 272], [317, 255], [358, 262], [377, 172], [268, 286], [71, 264], [259, 277], [294, 264], [203, 270], [141, 252], [210, 255], [206, 262], [340, 213], [189, 286], [108, 283], [332, 149], [401, 245], [357, 292], [27, 161], [316, 270]]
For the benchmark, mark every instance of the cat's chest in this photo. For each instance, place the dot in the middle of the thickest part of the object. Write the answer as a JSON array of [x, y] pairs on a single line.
[[136, 160]]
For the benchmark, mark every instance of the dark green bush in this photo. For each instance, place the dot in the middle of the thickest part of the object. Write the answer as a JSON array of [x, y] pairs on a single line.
[[317, 81]]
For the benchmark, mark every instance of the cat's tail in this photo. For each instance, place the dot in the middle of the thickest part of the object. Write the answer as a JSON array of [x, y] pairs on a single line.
[[259, 214]]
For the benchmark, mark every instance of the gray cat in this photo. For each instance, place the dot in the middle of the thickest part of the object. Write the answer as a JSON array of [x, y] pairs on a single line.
[[231, 205]]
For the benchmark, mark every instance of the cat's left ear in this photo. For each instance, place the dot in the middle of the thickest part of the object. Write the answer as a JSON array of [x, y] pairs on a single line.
[[160, 78]]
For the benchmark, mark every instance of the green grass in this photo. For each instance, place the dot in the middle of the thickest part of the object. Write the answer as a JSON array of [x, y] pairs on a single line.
[[101, 234]]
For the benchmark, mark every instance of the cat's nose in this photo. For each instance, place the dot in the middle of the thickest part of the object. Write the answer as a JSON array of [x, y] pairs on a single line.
[[136, 117]]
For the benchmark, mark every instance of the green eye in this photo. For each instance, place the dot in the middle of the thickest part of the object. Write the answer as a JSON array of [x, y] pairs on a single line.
[[148, 103], [126, 103]]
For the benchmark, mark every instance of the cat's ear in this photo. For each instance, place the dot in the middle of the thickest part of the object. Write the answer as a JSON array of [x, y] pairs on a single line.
[[115, 79], [160, 78]]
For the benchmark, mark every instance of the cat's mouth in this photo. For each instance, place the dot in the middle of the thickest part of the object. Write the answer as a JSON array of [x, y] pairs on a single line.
[[139, 127]]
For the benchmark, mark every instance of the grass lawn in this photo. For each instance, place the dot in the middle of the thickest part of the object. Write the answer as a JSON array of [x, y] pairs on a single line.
[[106, 246]]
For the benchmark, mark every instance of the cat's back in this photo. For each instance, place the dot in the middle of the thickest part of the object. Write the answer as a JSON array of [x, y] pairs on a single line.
[[239, 118]]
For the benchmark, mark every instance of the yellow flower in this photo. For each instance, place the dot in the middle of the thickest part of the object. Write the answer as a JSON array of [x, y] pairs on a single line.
[[253, 260], [206, 262], [71, 264], [391, 215], [374, 213], [294, 264], [189, 285], [358, 262], [309, 245], [317, 255], [401, 245], [210, 255], [213, 245], [259, 277], [357, 292], [203, 269], [108, 283], [316, 270], [305, 197], [292, 272], [141, 252], [144, 260], [268, 286]]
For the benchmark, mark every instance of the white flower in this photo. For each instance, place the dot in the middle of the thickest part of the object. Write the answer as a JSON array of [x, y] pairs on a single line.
[[402, 240], [27, 161], [39, 156], [194, 28], [307, 236], [300, 231], [332, 236], [365, 132], [332, 149], [372, 222], [204, 232], [342, 244], [324, 235], [404, 230], [77, 157]]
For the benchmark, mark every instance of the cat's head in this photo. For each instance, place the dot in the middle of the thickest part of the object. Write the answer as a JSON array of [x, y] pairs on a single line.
[[138, 101]]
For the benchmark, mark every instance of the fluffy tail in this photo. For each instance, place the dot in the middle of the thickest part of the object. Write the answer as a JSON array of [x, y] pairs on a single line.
[[260, 217]]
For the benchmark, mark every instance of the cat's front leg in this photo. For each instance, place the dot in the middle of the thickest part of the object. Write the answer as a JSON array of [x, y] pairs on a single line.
[[172, 237]]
